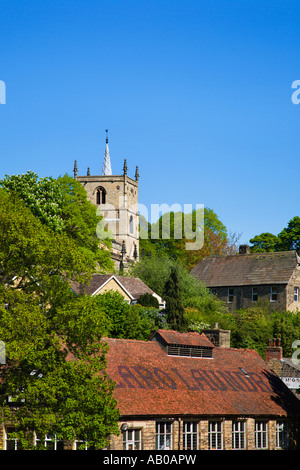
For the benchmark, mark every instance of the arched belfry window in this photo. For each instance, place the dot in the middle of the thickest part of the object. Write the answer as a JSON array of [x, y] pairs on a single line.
[[100, 195]]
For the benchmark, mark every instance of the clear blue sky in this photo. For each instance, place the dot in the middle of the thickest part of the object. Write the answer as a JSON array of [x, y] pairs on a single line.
[[197, 93]]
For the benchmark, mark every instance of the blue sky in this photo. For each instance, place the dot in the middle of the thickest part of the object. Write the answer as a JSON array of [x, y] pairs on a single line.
[[197, 93]]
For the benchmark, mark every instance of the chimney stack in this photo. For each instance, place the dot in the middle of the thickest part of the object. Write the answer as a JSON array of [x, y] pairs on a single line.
[[219, 337], [274, 350], [244, 249]]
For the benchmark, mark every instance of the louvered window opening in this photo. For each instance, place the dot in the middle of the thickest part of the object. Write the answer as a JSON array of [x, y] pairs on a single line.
[[186, 351]]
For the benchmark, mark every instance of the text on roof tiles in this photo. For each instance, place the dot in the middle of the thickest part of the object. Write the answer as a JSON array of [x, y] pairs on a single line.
[[193, 379]]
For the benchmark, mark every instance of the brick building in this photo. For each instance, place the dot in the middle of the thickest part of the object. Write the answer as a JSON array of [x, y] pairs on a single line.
[[180, 391], [243, 279]]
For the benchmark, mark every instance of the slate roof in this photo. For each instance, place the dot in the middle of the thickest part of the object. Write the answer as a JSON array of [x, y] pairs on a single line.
[[234, 382], [248, 269], [134, 286]]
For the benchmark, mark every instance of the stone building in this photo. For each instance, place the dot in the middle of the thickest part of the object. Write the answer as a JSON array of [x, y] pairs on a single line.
[[131, 288], [116, 196], [243, 279], [179, 391]]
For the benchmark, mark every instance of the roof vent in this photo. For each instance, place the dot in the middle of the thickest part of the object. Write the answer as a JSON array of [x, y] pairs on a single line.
[[191, 344], [188, 351]]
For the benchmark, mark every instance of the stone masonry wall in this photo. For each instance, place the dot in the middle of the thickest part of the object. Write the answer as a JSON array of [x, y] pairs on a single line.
[[148, 428], [242, 296]]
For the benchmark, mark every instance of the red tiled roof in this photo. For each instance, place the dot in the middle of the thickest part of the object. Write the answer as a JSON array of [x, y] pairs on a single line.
[[149, 382], [191, 338], [248, 269]]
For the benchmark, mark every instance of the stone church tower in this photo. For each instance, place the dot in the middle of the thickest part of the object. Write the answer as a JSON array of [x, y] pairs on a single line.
[[117, 198]]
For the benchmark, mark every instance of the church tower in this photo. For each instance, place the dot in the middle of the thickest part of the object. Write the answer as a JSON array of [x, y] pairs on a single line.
[[117, 198]]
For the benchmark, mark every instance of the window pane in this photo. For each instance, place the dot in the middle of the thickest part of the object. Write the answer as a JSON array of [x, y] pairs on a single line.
[[238, 435], [215, 435], [282, 440], [273, 294], [261, 435], [190, 435], [163, 436]]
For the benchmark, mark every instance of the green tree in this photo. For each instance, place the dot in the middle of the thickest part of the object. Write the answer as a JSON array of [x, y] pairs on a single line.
[[174, 305], [265, 242], [172, 233], [253, 327], [290, 236], [153, 271], [61, 204], [148, 300], [55, 371], [286, 325], [43, 196]]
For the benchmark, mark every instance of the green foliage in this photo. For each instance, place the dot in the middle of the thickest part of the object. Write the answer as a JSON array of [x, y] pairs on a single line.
[[195, 297], [61, 205], [56, 369], [128, 321], [147, 300], [153, 271], [290, 235], [264, 242], [171, 234], [286, 325], [288, 239], [253, 327], [174, 304], [43, 197], [35, 254], [55, 357]]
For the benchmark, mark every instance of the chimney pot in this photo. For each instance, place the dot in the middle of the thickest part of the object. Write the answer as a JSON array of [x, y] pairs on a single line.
[[274, 349]]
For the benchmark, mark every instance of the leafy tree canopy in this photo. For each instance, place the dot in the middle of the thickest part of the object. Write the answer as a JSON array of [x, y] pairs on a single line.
[[55, 356], [264, 242], [174, 231], [288, 239], [61, 204]]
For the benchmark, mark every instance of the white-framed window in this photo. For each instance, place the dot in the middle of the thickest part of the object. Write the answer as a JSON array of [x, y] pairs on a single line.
[[261, 434], [50, 442], [274, 294], [254, 294], [190, 435], [296, 294], [132, 439], [239, 435], [215, 435], [282, 437], [11, 442], [83, 445], [80, 445], [163, 435], [230, 295]]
